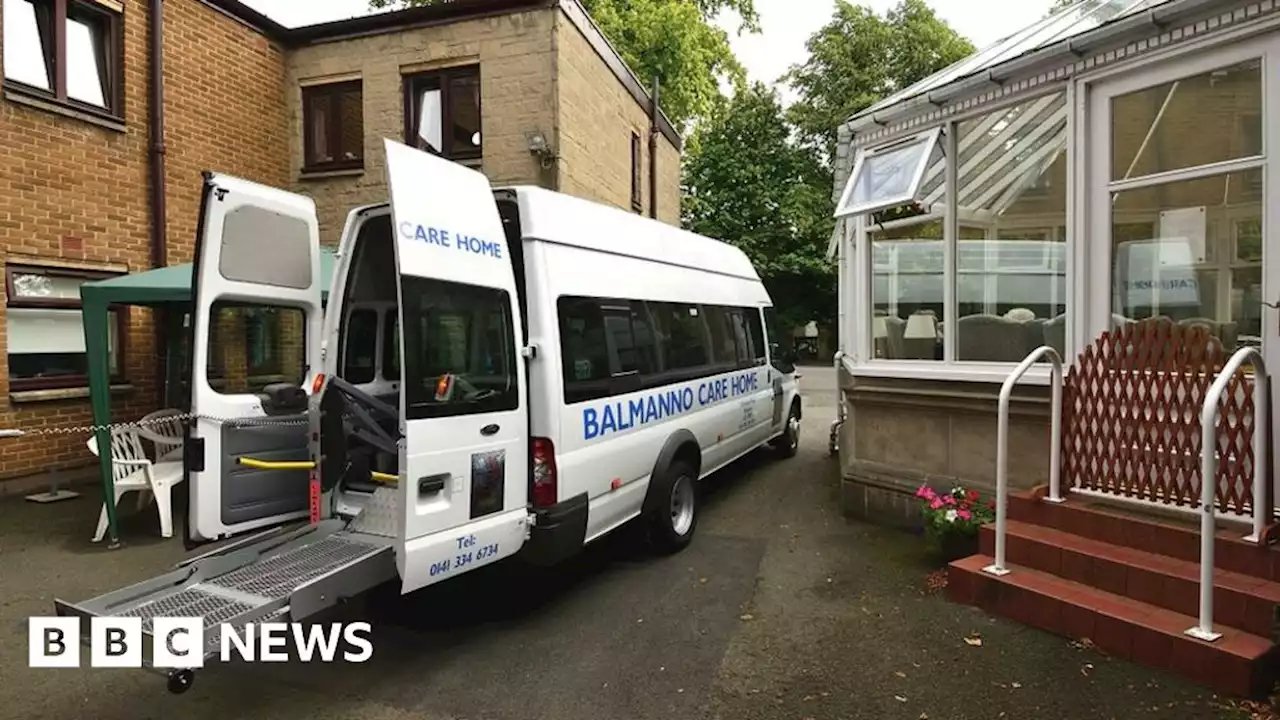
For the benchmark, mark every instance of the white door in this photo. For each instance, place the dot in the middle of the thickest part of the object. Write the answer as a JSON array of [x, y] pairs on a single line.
[[1181, 159], [255, 348], [463, 393]]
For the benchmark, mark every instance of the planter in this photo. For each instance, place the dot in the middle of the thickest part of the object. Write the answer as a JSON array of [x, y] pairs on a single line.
[[952, 546]]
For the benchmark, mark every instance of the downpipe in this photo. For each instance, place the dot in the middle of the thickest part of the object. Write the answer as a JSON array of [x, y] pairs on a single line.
[[833, 440]]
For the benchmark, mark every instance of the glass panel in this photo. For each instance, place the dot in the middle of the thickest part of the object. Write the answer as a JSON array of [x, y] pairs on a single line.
[[25, 46], [86, 60], [429, 120], [1194, 121], [351, 110], [906, 292], [1173, 255], [464, 115], [886, 178], [361, 340], [252, 346], [47, 343], [318, 111], [47, 287], [459, 349], [1011, 289], [391, 346]]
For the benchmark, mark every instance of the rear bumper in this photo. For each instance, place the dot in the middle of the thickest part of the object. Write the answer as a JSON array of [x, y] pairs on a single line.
[[558, 532]]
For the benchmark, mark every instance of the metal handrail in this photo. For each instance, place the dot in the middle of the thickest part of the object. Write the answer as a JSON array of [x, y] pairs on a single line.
[[1209, 472], [1002, 447]]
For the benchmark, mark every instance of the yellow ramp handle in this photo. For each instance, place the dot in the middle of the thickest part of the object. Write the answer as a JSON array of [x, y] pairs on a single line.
[[305, 465]]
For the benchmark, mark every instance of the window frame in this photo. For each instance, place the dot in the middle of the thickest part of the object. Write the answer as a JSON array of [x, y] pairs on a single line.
[[333, 92], [413, 82], [13, 300], [929, 138], [55, 52]]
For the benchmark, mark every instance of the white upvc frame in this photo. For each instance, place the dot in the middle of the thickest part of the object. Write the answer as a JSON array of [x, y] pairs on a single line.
[[1096, 285], [927, 138], [1084, 318]]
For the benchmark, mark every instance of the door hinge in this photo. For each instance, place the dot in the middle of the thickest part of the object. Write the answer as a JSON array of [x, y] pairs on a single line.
[[193, 454], [529, 352]]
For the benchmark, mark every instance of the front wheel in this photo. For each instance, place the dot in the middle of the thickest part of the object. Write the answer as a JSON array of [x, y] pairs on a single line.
[[674, 516], [789, 441]]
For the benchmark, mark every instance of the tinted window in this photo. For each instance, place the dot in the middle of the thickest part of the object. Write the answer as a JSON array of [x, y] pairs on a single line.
[[459, 349], [607, 347], [682, 334], [584, 349], [252, 346], [361, 339], [720, 323], [756, 331], [391, 347]]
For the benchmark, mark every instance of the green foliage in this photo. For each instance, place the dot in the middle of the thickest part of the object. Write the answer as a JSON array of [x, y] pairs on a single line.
[[672, 40], [747, 182], [859, 58]]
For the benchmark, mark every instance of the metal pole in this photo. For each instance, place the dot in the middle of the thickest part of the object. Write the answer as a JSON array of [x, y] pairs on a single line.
[[1055, 442], [1261, 429]]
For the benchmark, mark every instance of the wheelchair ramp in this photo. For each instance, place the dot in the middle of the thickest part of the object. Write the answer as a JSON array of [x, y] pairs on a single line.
[[281, 578]]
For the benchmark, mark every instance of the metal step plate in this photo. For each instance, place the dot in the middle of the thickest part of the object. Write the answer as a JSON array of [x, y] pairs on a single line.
[[278, 576]]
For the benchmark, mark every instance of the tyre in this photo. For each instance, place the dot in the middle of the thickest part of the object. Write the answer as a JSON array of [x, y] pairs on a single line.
[[673, 516], [789, 441]]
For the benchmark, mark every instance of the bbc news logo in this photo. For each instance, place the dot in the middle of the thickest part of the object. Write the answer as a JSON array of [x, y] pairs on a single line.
[[180, 642]]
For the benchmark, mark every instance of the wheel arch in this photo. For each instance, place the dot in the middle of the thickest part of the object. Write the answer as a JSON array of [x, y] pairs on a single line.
[[681, 445]]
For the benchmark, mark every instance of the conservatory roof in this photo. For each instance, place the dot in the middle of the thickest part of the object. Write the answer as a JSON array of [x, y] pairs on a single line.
[[1079, 19]]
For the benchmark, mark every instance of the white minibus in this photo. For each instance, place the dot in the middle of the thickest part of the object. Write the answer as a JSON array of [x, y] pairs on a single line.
[[497, 373]]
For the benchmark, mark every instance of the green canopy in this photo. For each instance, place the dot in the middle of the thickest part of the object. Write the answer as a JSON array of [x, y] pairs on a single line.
[[167, 287]]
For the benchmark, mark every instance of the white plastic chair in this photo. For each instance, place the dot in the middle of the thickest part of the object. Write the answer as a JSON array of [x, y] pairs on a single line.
[[165, 436], [132, 471]]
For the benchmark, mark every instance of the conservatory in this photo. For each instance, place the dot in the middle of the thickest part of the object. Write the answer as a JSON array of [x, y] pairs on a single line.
[[1107, 165]]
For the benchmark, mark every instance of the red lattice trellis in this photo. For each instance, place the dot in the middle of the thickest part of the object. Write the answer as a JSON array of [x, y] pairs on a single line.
[[1131, 418]]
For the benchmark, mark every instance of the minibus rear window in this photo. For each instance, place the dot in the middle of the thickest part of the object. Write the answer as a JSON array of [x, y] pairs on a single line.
[[459, 345], [361, 340]]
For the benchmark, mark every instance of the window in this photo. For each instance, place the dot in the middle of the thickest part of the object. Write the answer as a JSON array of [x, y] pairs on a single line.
[[361, 340], [46, 329], [442, 112], [637, 202], [888, 176], [459, 349], [1188, 239], [252, 346], [70, 51], [741, 339], [682, 333], [333, 126], [391, 346], [720, 324], [756, 331]]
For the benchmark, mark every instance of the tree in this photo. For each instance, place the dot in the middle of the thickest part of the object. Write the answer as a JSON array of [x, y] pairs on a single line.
[[673, 40], [1060, 5], [859, 58], [748, 183]]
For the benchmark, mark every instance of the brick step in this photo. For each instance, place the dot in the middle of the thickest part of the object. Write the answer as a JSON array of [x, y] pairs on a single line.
[[1239, 663], [1088, 520], [1239, 600]]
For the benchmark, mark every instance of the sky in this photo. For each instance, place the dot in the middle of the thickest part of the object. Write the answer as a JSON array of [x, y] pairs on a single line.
[[785, 24]]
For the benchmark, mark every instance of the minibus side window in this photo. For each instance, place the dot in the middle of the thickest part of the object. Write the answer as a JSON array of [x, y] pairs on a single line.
[[361, 341], [775, 342], [741, 340], [720, 323], [756, 332], [683, 335], [252, 346], [459, 349], [584, 351]]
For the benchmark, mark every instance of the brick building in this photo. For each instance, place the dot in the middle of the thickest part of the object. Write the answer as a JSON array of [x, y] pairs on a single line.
[[98, 179]]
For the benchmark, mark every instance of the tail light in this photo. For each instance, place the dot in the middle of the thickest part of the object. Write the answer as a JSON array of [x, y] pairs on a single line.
[[317, 383], [544, 473]]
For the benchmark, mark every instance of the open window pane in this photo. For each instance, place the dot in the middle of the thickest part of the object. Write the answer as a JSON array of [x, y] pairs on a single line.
[[87, 59], [1199, 120], [430, 128], [27, 44], [887, 176]]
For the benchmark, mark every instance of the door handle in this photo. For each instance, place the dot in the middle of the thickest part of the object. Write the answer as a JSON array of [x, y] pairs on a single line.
[[489, 429], [432, 484]]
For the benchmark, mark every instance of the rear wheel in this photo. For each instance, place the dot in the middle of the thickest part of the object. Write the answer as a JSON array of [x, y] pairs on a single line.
[[673, 516]]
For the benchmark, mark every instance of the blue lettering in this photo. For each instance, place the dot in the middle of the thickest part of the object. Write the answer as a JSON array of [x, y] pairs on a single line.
[[590, 424], [651, 409], [421, 234], [608, 423], [636, 409], [703, 397], [664, 404], [687, 398], [492, 249]]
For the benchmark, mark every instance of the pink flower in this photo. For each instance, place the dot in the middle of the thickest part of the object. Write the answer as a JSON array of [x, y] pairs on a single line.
[[965, 514], [923, 492], [937, 503], [949, 500]]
